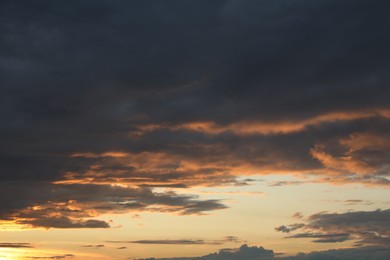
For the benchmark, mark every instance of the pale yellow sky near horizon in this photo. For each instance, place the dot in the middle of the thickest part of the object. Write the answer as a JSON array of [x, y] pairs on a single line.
[[254, 212]]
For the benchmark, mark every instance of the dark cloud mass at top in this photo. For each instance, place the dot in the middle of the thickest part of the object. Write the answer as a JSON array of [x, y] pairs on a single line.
[[177, 94]]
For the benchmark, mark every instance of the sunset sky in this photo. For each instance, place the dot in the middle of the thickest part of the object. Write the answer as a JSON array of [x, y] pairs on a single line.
[[195, 129]]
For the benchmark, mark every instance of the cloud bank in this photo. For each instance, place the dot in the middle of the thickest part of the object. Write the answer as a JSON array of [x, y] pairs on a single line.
[[149, 95], [260, 253], [369, 228]]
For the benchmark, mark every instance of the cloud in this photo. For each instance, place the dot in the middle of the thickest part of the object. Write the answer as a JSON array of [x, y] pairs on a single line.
[[259, 253], [93, 246], [136, 90], [356, 202], [284, 183], [63, 222], [322, 238], [244, 252], [363, 253], [75, 205], [165, 242], [161, 97], [227, 239], [52, 257], [298, 215], [288, 229], [241, 193], [16, 245], [369, 228]]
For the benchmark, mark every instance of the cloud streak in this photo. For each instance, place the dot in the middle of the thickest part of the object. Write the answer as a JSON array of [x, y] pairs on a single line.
[[231, 239], [16, 245]]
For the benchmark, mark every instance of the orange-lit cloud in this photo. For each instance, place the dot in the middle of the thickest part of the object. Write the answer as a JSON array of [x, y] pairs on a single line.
[[320, 151], [343, 163], [253, 127], [77, 205]]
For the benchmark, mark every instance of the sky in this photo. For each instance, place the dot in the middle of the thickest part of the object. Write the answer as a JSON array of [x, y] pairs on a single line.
[[197, 129]]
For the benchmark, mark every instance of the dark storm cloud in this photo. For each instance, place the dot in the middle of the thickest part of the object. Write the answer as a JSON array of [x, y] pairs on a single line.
[[288, 60], [259, 253], [91, 71], [190, 93], [364, 227]]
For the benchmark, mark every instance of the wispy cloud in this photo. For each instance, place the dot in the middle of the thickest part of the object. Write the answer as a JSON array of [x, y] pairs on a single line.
[[227, 239], [93, 246], [16, 245], [52, 257]]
